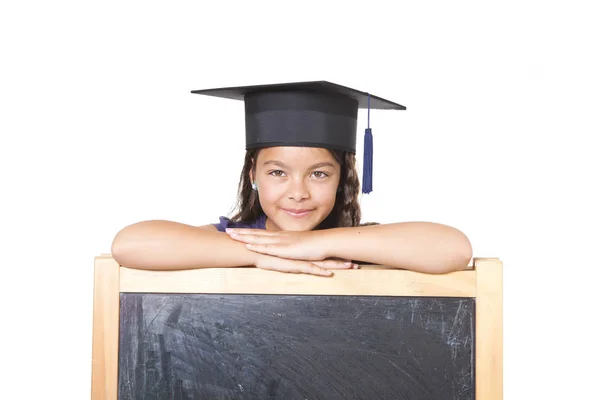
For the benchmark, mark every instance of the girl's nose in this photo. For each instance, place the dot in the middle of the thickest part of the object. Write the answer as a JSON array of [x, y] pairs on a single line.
[[298, 190]]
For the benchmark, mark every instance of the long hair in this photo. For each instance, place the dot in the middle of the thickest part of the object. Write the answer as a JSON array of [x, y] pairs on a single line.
[[345, 212]]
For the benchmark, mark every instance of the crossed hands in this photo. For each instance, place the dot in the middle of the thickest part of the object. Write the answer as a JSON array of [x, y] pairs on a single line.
[[290, 251]]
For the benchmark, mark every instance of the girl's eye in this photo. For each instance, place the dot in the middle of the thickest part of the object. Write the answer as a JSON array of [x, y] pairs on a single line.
[[318, 174], [276, 173]]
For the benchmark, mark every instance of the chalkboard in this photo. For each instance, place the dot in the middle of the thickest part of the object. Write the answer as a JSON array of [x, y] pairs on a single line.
[[214, 346]]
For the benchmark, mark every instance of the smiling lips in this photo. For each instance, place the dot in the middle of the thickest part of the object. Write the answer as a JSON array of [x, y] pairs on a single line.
[[296, 213]]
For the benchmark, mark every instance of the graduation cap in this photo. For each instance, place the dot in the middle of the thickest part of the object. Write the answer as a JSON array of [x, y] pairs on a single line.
[[306, 114]]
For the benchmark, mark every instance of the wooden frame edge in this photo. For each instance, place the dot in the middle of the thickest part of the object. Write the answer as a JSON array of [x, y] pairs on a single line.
[[367, 282], [488, 329], [105, 334]]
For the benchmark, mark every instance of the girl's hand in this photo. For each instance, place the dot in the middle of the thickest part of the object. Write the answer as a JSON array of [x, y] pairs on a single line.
[[295, 245], [320, 268]]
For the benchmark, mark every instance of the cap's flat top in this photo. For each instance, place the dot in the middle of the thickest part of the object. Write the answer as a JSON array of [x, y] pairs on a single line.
[[238, 93]]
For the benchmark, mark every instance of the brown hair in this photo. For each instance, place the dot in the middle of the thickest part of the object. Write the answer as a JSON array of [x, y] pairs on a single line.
[[345, 212]]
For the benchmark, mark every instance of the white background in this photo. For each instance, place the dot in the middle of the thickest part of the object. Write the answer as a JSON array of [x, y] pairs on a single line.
[[499, 139]]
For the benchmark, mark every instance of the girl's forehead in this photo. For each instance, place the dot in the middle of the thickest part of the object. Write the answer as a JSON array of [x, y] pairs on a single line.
[[294, 154]]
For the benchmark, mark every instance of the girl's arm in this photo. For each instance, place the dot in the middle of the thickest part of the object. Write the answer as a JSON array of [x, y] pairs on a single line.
[[163, 245], [419, 246], [167, 245]]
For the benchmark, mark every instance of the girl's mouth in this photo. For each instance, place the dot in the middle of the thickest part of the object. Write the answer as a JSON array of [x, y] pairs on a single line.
[[296, 213]]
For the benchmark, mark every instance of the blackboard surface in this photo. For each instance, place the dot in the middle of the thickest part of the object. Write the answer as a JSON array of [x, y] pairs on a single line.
[[214, 346]]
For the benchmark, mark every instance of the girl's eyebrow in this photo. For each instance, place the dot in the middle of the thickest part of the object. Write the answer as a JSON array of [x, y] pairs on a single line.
[[317, 165]]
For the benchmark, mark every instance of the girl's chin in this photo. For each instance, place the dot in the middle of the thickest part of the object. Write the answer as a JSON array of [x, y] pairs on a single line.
[[290, 223]]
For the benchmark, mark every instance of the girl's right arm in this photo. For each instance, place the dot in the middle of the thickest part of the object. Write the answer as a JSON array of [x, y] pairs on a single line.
[[161, 245], [168, 245]]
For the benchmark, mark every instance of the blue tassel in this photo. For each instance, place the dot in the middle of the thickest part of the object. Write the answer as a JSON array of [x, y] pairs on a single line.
[[367, 182], [367, 186]]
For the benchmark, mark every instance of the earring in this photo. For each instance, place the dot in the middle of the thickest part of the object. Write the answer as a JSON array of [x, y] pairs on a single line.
[[254, 186]]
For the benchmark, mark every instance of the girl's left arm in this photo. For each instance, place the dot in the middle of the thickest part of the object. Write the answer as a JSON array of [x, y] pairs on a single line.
[[419, 246]]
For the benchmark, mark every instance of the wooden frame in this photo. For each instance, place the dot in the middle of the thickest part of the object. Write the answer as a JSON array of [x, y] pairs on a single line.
[[482, 280]]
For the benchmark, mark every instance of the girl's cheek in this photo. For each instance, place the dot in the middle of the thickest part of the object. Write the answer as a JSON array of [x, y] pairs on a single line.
[[268, 193], [325, 193]]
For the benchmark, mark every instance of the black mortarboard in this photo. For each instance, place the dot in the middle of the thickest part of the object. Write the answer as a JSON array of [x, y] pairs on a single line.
[[307, 114]]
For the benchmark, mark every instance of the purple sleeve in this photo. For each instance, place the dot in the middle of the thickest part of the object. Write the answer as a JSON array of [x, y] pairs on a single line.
[[225, 222]]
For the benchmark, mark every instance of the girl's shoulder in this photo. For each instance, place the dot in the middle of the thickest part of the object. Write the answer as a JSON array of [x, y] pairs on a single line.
[[224, 223]]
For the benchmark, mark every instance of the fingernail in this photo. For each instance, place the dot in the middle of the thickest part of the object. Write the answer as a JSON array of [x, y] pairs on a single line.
[[228, 230], [348, 263], [355, 266]]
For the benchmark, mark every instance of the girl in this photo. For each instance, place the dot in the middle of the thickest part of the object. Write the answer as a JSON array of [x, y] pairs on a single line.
[[298, 207]]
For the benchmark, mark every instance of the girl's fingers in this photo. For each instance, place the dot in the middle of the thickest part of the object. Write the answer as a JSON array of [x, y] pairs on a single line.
[[245, 231], [254, 239], [279, 250], [291, 266], [301, 267], [334, 264], [267, 249], [312, 269]]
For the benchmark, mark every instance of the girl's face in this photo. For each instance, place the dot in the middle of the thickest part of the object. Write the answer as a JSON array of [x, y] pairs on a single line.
[[297, 186]]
